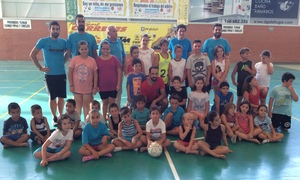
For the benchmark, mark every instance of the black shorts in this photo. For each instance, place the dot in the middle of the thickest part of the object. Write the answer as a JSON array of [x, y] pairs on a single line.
[[239, 91], [56, 86], [107, 94], [281, 120]]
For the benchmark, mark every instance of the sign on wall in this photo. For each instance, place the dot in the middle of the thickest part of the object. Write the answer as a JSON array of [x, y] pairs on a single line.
[[71, 10], [16, 24], [232, 29]]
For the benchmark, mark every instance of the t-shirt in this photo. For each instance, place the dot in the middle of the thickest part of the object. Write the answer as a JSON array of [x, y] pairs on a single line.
[[182, 94], [58, 140], [198, 65], [186, 45], [53, 54], [282, 100], [75, 38], [178, 68], [74, 117], [116, 49], [152, 91], [83, 74], [135, 82], [177, 115], [156, 131], [93, 135], [108, 73], [141, 116], [210, 45], [199, 100], [262, 75], [220, 69], [145, 56], [15, 127], [263, 124], [223, 101], [241, 73]]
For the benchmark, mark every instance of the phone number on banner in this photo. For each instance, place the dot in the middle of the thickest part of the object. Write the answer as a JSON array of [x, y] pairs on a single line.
[[234, 21]]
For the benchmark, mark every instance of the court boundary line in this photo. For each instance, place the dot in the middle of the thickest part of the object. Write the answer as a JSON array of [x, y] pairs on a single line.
[[198, 138], [171, 164]]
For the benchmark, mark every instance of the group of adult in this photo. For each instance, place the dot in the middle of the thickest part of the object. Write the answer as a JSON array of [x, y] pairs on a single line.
[[57, 51]]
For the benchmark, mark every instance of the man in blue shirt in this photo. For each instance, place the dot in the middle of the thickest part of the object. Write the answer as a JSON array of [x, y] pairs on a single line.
[[54, 49]]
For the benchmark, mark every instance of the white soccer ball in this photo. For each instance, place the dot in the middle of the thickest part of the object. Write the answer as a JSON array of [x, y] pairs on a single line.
[[155, 149]]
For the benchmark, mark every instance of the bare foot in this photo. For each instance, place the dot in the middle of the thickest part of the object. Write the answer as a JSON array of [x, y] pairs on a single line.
[[6, 146], [23, 144], [195, 152], [177, 150], [38, 140], [202, 153], [142, 149], [256, 141], [221, 156], [230, 151]]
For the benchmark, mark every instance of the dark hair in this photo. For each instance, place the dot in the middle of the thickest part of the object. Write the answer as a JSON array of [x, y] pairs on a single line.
[[104, 42], [178, 46], [180, 26], [133, 47], [13, 105], [224, 83], [227, 107], [216, 50], [136, 61], [113, 105], [124, 111], [217, 25], [152, 67], [287, 76], [266, 53], [261, 105], [197, 79], [60, 119], [155, 108], [145, 35], [176, 97], [176, 78], [72, 101], [245, 102], [243, 50], [35, 107], [54, 23], [140, 98], [79, 16], [247, 87], [197, 41], [211, 116], [82, 43], [92, 111], [162, 41], [95, 102]]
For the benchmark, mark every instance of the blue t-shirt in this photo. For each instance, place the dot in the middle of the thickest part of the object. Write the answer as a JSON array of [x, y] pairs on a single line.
[[177, 115], [116, 49], [210, 45], [141, 117], [186, 45], [135, 81], [223, 101], [93, 136], [263, 124], [282, 103], [12, 127], [75, 38], [53, 54]]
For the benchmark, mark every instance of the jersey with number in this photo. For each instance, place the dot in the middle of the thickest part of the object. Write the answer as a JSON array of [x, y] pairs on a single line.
[[163, 67]]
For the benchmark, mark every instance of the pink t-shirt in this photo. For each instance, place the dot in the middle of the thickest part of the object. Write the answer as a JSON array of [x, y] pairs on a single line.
[[83, 74], [108, 73]]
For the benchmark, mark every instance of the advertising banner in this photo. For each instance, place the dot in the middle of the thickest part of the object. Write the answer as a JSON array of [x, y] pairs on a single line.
[[71, 10], [129, 33]]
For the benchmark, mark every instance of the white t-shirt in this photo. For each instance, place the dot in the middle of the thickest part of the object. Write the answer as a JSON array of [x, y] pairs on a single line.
[[156, 131], [199, 100], [145, 56], [220, 68], [262, 75], [178, 69], [58, 139]]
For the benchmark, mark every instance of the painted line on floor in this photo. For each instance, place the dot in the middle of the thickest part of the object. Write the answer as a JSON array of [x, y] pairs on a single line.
[[296, 118], [22, 102], [171, 164], [198, 138]]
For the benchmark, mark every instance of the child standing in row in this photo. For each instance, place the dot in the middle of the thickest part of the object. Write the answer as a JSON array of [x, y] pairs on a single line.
[[155, 131], [187, 133], [83, 78], [222, 97], [74, 117], [244, 68], [40, 130], [244, 121], [15, 128], [57, 146], [251, 93], [215, 133], [94, 139], [179, 90], [141, 113], [263, 122], [134, 53], [264, 70], [113, 120], [129, 132]]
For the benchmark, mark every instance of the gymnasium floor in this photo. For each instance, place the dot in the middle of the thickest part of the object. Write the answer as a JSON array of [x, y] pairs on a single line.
[[21, 82]]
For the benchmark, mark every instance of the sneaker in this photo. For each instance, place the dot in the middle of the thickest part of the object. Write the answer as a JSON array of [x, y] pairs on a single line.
[[117, 149], [87, 158], [108, 155], [233, 139], [265, 141], [136, 149], [54, 121]]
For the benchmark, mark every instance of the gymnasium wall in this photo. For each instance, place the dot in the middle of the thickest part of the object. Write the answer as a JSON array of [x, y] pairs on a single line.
[[283, 42]]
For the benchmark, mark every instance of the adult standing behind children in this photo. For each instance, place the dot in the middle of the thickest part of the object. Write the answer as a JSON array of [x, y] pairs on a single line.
[[76, 37], [154, 90], [116, 49], [54, 49]]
